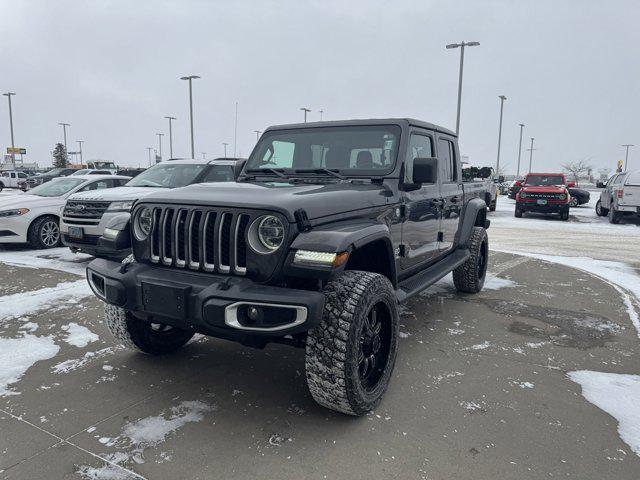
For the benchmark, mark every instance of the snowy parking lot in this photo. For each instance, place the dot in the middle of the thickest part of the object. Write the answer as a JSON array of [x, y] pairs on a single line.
[[536, 376]]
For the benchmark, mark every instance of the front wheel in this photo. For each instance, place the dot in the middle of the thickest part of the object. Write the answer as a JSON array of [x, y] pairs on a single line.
[[600, 210], [350, 355], [147, 337], [564, 214], [518, 212], [469, 277], [45, 233]]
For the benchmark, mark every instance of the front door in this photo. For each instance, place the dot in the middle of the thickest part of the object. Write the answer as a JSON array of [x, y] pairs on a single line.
[[451, 191], [422, 209]]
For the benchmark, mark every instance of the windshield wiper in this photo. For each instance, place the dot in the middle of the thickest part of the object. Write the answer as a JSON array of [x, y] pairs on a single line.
[[262, 170], [320, 170]]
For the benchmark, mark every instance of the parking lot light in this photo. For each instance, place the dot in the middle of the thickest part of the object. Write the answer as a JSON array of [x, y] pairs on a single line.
[[460, 45]]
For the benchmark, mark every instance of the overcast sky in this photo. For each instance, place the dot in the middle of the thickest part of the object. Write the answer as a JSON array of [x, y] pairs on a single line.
[[570, 71]]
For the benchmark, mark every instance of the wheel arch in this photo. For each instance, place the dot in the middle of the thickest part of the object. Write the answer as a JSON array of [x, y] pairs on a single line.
[[474, 215]]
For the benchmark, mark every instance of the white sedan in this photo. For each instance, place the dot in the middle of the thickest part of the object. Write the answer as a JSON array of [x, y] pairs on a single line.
[[34, 217]]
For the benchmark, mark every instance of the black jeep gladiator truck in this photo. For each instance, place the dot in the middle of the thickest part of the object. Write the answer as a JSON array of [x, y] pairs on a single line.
[[328, 227]]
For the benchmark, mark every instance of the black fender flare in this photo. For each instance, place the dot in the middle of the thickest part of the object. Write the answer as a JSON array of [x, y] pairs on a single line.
[[347, 237], [474, 211]]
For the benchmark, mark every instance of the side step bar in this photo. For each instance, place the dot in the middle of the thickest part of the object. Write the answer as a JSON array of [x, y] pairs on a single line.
[[431, 275]]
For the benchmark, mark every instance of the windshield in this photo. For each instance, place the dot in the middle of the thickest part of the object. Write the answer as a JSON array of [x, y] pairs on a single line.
[[56, 187], [81, 172], [544, 180], [54, 171], [167, 175], [358, 150], [103, 165]]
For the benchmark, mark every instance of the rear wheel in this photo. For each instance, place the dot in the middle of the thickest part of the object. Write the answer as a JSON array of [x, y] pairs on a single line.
[[614, 215], [573, 202], [1, 186], [45, 233], [350, 355], [469, 277], [147, 337]]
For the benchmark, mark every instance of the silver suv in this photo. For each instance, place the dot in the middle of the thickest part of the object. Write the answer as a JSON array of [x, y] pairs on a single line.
[[620, 196]]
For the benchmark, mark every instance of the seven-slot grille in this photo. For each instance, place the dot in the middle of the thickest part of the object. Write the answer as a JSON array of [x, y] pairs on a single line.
[[199, 239], [84, 212]]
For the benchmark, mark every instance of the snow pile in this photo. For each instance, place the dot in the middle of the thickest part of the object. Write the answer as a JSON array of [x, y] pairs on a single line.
[[20, 304], [76, 363], [17, 355], [79, 336], [496, 283], [61, 259], [617, 394], [145, 433], [619, 275]]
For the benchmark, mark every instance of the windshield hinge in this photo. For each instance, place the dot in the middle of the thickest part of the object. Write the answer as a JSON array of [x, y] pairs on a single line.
[[302, 220]]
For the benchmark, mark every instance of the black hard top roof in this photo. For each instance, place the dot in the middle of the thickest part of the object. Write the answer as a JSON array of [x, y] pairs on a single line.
[[406, 122]]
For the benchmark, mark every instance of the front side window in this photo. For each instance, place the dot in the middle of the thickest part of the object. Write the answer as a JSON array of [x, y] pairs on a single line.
[[168, 175], [420, 146], [56, 187], [544, 180], [357, 150]]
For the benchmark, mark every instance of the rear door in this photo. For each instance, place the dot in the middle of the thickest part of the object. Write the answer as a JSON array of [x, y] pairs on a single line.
[[451, 191], [422, 211]]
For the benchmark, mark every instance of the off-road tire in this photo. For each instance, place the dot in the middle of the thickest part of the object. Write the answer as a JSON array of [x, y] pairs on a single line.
[[492, 205], [1, 186], [35, 233], [614, 216], [600, 210], [470, 276], [333, 347], [518, 212], [564, 214], [140, 335]]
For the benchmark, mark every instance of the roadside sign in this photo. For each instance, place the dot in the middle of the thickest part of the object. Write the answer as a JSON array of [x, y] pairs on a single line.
[[21, 151]]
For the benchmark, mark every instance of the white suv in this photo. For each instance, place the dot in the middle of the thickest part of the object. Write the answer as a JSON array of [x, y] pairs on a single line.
[[85, 216], [621, 196]]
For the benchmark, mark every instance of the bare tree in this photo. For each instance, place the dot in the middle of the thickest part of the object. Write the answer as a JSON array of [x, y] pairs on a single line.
[[577, 168]]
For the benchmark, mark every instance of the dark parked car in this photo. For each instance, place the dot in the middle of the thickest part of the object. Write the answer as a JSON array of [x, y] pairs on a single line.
[[329, 227], [578, 196], [45, 177]]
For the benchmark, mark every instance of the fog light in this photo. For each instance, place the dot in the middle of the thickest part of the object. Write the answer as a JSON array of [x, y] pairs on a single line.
[[254, 314]]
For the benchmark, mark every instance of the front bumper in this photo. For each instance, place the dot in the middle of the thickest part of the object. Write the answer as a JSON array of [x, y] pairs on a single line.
[[547, 208], [206, 303], [91, 234], [14, 229]]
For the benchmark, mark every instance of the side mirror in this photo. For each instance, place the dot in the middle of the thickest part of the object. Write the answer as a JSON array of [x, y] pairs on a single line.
[[425, 170], [600, 185], [518, 183], [571, 184]]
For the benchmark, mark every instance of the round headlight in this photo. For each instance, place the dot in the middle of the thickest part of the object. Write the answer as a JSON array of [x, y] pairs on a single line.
[[142, 225], [266, 234]]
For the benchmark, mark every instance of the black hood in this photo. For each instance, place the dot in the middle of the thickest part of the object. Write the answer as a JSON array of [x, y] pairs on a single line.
[[317, 200]]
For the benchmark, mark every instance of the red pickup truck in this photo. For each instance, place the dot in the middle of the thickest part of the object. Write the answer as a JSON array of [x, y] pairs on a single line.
[[544, 193]]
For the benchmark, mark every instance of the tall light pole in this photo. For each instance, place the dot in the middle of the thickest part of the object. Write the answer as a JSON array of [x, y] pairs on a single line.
[[235, 134], [189, 78], [305, 110], [502, 99], [9, 95], [519, 149], [170, 136], [461, 46], [626, 157], [149, 151], [160, 135], [530, 150], [80, 142], [321, 112], [64, 130], [258, 132], [225, 149]]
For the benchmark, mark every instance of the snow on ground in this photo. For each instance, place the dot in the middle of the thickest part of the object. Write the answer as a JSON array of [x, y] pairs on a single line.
[[19, 354], [61, 259], [78, 335], [145, 433], [618, 395], [20, 304]]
